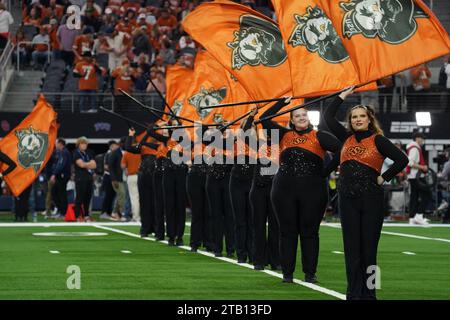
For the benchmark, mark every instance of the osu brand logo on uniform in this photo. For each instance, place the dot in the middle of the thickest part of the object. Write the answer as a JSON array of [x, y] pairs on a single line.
[[356, 150], [316, 33], [257, 42], [206, 98], [392, 21], [32, 148], [299, 140]]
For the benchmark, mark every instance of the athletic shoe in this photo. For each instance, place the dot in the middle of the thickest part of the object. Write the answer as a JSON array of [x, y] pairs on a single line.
[[123, 219], [412, 221], [144, 235], [171, 242], [443, 205], [104, 216], [194, 249], [311, 278], [258, 267], [419, 219], [242, 260], [288, 278], [88, 219], [179, 242], [115, 216], [159, 238]]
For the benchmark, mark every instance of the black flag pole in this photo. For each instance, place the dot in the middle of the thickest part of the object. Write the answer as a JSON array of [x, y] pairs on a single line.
[[189, 126], [162, 98], [233, 104], [128, 120], [153, 110]]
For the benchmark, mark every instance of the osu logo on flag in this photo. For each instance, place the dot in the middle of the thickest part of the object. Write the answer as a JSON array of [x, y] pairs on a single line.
[[32, 147], [206, 98], [356, 150]]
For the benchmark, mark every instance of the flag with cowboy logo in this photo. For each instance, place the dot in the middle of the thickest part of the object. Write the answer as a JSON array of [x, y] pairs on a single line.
[[246, 43], [319, 62], [30, 145], [178, 80], [383, 37]]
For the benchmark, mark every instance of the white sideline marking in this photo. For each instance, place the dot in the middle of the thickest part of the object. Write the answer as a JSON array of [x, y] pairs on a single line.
[[409, 253], [66, 224], [406, 235], [246, 265], [54, 251], [126, 251], [338, 252]]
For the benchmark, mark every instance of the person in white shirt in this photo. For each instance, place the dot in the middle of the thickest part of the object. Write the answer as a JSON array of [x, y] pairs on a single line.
[[6, 20], [416, 165]]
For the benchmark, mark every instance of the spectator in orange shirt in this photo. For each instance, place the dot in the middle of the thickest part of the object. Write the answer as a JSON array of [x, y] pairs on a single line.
[[83, 43], [131, 163], [54, 41], [125, 26], [41, 44], [123, 76], [166, 22], [34, 17], [86, 69], [159, 82], [131, 5]]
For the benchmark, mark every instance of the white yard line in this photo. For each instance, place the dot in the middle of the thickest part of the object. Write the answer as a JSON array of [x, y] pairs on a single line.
[[246, 265], [406, 235]]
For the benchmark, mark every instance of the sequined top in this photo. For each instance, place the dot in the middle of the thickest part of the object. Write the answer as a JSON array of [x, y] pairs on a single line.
[[364, 151]]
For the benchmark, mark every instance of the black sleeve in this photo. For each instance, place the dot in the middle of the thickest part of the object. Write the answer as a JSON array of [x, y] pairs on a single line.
[[76, 74], [130, 147], [11, 164], [150, 145], [76, 156], [332, 123], [389, 150], [269, 124], [330, 143], [112, 165], [157, 136]]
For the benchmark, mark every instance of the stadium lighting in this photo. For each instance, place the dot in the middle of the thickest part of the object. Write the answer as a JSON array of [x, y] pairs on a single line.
[[314, 117], [423, 119]]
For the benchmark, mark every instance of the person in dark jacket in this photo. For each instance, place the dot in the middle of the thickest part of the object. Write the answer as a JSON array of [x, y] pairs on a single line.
[[116, 174], [61, 175]]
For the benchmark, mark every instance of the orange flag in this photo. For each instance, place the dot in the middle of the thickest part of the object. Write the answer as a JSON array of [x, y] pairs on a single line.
[[318, 60], [246, 43], [384, 37], [30, 145], [178, 80]]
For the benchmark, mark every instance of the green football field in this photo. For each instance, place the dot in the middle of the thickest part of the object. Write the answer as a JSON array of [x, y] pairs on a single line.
[[414, 263]]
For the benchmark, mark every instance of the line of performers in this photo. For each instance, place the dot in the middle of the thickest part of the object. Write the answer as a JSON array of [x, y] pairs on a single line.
[[232, 204]]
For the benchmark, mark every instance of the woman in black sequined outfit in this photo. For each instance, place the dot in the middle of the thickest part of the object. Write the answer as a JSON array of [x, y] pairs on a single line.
[[299, 191], [360, 191]]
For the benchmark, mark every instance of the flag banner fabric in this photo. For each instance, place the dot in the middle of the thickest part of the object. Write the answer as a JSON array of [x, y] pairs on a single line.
[[318, 60], [30, 145], [246, 43], [383, 37]]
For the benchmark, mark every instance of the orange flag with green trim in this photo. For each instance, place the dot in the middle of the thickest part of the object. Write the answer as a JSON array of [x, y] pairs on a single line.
[[383, 37], [318, 60], [30, 145], [178, 80], [246, 43]]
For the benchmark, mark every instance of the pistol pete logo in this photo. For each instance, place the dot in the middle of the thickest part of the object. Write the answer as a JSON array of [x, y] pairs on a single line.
[[299, 140], [356, 150]]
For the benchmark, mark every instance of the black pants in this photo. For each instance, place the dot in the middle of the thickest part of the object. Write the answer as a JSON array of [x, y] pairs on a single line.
[[419, 198], [299, 205], [196, 190], [158, 203], [68, 57], [108, 200], [221, 213], [266, 248], [22, 205], [146, 202], [243, 226], [174, 184], [83, 189], [60, 194], [361, 220]]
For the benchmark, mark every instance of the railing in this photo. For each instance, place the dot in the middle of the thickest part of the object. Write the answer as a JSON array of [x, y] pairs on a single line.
[[5, 59], [32, 43], [70, 101]]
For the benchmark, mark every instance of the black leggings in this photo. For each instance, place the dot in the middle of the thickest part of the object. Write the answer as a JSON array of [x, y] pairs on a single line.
[[147, 210], [174, 184], [196, 189], [158, 203], [299, 205], [240, 203], [361, 220], [221, 214], [60, 194], [266, 249], [22, 204], [83, 189], [107, 205]]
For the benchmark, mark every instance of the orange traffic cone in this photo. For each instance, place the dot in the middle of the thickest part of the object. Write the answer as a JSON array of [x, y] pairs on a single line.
[[70, 213]]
